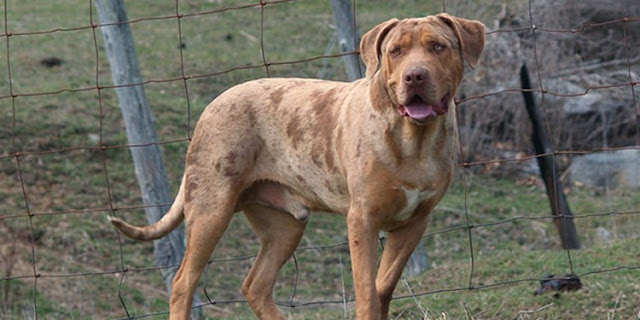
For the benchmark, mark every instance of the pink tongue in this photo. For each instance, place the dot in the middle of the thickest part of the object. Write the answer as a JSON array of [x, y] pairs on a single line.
[[420, 110]]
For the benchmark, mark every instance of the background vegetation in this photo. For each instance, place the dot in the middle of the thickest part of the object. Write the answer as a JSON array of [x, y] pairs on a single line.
[[70, 189]]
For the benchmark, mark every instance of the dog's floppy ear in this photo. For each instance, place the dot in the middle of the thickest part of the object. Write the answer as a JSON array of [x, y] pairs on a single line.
[[470, 34], [371, 43]]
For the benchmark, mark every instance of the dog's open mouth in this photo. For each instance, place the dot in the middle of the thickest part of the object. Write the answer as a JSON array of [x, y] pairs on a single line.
[[419, 110]]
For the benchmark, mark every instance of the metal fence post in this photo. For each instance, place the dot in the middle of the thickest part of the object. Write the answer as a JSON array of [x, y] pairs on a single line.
[[542, 145]]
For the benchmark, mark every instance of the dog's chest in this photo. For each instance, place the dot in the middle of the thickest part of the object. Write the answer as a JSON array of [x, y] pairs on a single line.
[[413, 198]]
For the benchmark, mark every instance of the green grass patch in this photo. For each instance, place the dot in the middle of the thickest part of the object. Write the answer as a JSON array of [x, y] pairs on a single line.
[[81, 258]]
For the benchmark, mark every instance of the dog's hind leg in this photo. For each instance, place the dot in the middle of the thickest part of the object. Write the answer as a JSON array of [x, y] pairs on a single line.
[[207, 218], [279, 235]]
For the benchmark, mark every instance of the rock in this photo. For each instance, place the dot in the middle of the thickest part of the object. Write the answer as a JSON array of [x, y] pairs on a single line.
[[584, 104], [51, 62], [615, 169], [604, 235], [94, 138], [529, 166]]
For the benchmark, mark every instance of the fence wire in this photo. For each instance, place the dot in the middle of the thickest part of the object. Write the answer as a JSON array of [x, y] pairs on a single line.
[[13, 151]]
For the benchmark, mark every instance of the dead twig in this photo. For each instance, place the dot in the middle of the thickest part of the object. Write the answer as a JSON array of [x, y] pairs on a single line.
[[595, 66], [531, 311], [612, 314]]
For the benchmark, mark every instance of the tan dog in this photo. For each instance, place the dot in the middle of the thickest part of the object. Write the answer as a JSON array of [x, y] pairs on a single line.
[[380, 150]]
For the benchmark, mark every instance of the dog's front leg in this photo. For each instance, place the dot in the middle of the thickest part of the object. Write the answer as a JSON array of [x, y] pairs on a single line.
[[398, 248], [363, 240]]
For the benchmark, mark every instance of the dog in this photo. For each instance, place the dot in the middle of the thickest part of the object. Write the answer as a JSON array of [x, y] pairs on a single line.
[[381, 150]]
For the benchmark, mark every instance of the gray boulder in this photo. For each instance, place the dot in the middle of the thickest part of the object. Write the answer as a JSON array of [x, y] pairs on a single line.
[[611, 169]]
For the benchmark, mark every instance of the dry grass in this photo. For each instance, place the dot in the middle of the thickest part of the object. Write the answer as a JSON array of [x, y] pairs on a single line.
[[81, 258], [580, 50]]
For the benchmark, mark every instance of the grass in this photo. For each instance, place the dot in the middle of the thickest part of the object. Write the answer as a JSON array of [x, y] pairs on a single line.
[[80, 257]]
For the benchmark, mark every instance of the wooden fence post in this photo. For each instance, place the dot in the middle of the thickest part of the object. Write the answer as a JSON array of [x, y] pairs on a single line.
[[140, 129], [348, 40]]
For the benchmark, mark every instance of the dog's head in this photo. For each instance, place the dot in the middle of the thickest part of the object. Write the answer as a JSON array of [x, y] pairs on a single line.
[[421, 60]]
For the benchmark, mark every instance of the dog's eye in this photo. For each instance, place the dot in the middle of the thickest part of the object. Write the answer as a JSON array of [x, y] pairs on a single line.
[[438, 47], [396, 51]]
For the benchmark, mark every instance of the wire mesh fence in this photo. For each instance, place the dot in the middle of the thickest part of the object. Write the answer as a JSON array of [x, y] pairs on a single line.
[[65, 163]]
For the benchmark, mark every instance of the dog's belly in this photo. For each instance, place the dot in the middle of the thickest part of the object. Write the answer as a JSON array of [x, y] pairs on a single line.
[[283, 198], [277, 196]]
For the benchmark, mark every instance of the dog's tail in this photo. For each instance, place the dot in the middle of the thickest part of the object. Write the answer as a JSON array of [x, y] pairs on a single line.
[[168, 223]]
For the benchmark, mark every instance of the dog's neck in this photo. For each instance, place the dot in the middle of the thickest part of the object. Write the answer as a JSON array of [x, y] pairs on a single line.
[[406, 140]]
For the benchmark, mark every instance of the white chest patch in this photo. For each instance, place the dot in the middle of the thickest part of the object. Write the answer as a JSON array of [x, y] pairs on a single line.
[[414, 198]]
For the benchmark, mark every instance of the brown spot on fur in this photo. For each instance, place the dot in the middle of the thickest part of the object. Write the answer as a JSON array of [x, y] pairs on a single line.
[[315, 159], [191, 188], [228, 172], [339, 143], [276, 96], [194, 145], [250, 113], [324, 100], [323, 106], [328, 158], [259, 147], [392, 145], [232, 158], [299, 178], [294, 132], [227, 165], [193, 149], [327, 184], [191, 158]]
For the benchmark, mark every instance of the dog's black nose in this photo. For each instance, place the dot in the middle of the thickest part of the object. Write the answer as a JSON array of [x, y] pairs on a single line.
[[415, 76]]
